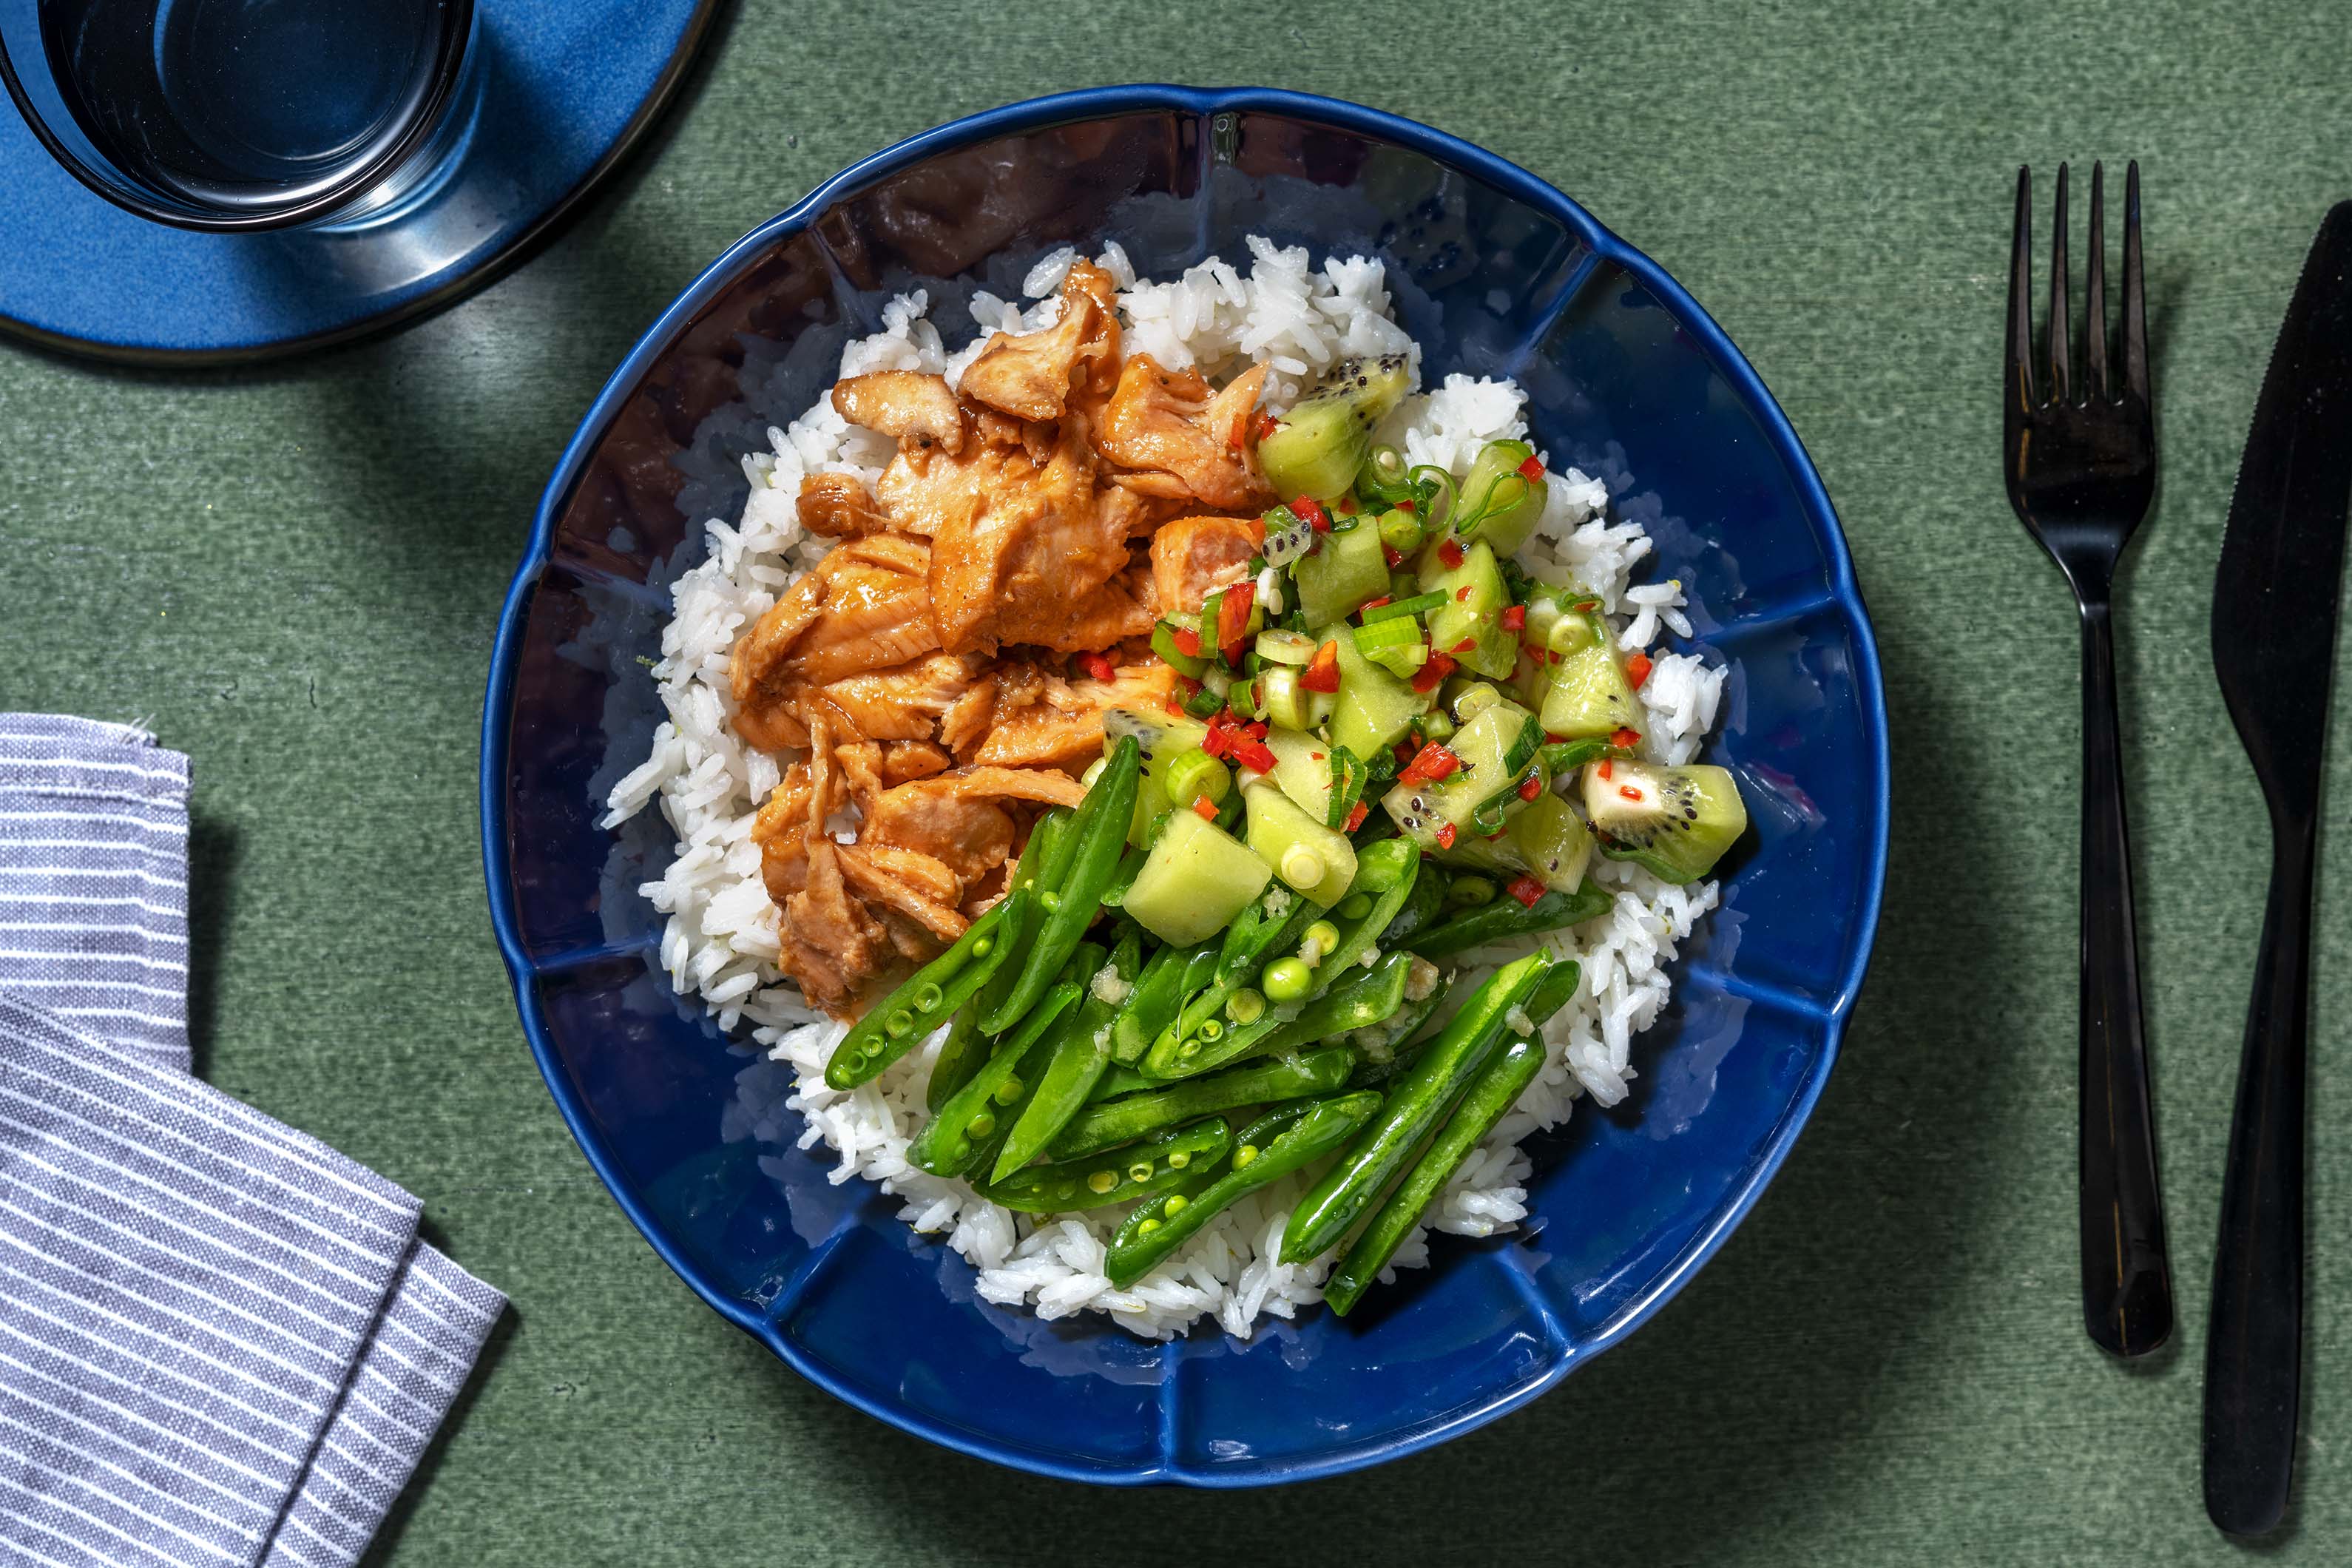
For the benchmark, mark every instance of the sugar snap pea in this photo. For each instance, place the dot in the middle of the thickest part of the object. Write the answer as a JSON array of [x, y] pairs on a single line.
[[1412, 1108], [951, 1140], [1177, 1155], [1395, 865], [1420, 907], [905, 1018], [1486, 1101], [1363, 998], [1274, 925], [1507, 918], [1323, 1127], [1157, 997], [1118, 1081], [1390, 1048], [960, 1057], [1081, 1052], [1071, 903], [1265, 1082], [1042, 865]]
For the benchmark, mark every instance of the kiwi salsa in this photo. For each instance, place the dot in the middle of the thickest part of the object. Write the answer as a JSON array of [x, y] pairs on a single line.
[[1388, 668]]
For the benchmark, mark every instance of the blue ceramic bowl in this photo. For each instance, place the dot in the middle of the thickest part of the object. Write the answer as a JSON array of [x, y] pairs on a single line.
[[1494, 272]]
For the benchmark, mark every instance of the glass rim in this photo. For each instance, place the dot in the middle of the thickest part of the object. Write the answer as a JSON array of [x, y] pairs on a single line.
[[459, 42]]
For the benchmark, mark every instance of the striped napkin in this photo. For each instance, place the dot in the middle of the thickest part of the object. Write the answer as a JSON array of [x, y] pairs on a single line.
[[221, 1342]]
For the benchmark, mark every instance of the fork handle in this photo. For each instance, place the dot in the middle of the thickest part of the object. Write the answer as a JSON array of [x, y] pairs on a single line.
[[2127, 1284], [2253, 1346]]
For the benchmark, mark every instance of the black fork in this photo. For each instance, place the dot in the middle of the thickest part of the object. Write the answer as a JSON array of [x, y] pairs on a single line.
[[2081, 467]]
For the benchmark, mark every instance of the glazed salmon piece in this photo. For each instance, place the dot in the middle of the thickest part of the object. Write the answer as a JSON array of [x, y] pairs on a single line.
[[905, 704], [828, 943], [877, 613], [911, 409], [1181, 441], [912, 883], [839, 506], [1194, 556], [1065, 729], [1029, 376]]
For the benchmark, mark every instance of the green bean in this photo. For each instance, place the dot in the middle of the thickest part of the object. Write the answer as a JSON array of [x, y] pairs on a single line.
[[1177, 1155], [906, 1017], [1412, 1108], [1157, 997], [1099, 834], [1489, 1098], [1034, 873], [1367, 996], [1321, 1128], [960, 1057], [1507, 918], [1081, 1052], [1396, 865], [950, 1141], [1260, 1083]]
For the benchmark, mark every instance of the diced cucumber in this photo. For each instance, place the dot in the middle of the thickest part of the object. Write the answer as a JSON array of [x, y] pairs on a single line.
[[1347, 570], [1164, 737], [1472, 613], [1303, 853], [1194, 881], [1374, 707], [1302, 766], [1588, 697], [1485, 746]]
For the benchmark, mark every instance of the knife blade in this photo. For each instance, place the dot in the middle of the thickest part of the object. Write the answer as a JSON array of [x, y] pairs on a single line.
[[2275, 597]]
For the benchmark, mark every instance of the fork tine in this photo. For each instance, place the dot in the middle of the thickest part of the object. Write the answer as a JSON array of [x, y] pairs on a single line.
[[2094, 307], [2061, 331], [2021, 292], [2135, 322]]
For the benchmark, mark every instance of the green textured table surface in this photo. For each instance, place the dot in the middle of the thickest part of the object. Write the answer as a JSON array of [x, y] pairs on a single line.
[[293, 573]]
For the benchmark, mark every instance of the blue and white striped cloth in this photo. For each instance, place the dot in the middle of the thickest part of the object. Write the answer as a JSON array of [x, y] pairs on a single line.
[[221, 1342]]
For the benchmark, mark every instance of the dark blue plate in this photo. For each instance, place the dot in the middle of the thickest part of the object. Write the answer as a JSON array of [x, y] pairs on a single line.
[[1495, 271], [557, 92]]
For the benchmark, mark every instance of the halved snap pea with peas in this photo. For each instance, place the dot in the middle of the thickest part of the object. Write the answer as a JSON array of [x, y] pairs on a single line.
[[1117, 1176]]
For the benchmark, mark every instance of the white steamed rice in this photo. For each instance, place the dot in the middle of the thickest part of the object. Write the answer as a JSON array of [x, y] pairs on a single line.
[[721, 940]]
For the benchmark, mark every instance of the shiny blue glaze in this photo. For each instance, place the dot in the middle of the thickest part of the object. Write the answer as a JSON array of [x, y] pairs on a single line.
[[529, 131], [1494, 272]]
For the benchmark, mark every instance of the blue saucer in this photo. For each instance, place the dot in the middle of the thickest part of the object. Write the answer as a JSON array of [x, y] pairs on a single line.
[[567, 86]]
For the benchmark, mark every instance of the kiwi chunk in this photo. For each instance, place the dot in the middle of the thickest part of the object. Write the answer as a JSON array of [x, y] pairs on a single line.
[[1676, 822], [1317, 448]]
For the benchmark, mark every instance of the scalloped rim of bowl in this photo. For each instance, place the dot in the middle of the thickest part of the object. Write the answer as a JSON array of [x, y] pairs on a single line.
[[1036, 114]]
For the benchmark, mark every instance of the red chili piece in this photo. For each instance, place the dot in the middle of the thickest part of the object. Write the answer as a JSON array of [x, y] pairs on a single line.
[[1445, 836], [1530, 787], [1255, 756], [1204, 809], [1451, 553], [1629, 792], [1323, 671], [1515, 619], [1187, 641], [1425, 679], [1371, 603], [1390, 553], [1232, 618], [1430, 764], [1527, 890], [1625, 740], [1462, 594], [1096, 666], [1312, 511], [1356, 817], [1466, 645], [1637, 669], [1605, 770], [1266, 425], [1531, 470]]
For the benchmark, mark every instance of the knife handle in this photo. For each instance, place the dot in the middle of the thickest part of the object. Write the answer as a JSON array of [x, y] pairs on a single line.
[[2127, 1283], [2253, 1347]]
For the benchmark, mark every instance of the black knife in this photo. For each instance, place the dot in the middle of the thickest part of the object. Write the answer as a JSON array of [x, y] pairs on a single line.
[[2274, 601]]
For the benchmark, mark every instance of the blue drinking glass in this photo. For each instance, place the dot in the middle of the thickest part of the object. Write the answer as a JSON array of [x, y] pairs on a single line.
[[241, 115]]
